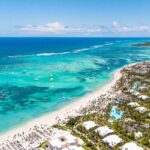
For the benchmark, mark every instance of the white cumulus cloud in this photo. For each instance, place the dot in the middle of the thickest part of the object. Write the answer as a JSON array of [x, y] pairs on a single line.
[[58, 28], [117, 27], [54, 27]]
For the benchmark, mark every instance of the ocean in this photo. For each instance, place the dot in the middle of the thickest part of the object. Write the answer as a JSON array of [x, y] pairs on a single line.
[[41, 75]]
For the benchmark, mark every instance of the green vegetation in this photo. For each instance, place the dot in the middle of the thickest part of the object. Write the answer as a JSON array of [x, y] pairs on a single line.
[[44, 145], [142, 44], [124, 129]]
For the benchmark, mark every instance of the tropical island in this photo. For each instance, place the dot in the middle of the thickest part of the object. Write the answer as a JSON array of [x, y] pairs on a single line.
[[118, 119], [142, 44]]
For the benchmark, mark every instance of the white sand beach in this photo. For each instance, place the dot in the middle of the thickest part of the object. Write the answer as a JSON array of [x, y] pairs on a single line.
[[71, 109]]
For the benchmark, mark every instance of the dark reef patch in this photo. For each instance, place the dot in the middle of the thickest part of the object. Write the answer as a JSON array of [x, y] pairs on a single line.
[[67, 90], [20, 96]]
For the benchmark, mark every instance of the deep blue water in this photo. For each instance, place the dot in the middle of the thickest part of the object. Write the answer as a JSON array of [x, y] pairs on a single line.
[[40, 75]]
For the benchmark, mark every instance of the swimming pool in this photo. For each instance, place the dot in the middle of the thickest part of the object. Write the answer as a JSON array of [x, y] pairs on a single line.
[[116, 114]]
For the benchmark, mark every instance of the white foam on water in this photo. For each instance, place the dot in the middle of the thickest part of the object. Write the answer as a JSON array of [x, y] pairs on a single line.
[[18, 56], [86, 49], [62, 53], [51, 54], [108, 44], [97, 46], [40, 54], [80, 50]]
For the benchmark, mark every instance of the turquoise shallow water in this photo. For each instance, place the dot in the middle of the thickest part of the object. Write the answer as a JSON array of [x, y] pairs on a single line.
[[40, 75], [115, 113]]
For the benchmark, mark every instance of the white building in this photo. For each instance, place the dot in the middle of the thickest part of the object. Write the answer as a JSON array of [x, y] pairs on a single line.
[[146, 125], [131, 90], [138, 135], [135, 93], [128, 120], [89, 124], [104, 130], [131, 146], [92, 112], [112, 140], [63, 141], [133, 104], [141, 109], [142, 88], [143, 97]]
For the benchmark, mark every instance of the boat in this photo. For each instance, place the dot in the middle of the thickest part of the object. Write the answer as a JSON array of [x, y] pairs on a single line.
[[51, 79]]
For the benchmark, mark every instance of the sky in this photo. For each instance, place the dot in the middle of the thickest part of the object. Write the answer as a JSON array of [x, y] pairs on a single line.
[[74, 18]]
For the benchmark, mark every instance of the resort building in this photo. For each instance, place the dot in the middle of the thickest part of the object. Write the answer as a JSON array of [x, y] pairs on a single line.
[[138, 135], [89, 125], [92, 112], [135, 93], [143, 97], [131, 146], [146, 125], [64, 141], [112, 140], [131, 90], [128, 120], [141, 109], [133, 104], [119, 96], [142, 88], [103, 131]]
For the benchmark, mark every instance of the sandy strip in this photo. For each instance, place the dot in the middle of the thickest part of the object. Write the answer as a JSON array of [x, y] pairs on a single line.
[[50, 118]]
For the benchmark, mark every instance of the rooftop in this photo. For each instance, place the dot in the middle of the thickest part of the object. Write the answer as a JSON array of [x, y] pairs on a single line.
[[89, 124], [131, 146], [133, 104], [136, 93], [112, 140], [141, 109], [143, 97], [104, 130], [138, 134], [62, 140]]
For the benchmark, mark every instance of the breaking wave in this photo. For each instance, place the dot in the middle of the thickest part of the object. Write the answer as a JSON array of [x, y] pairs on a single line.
[[40, 54], [86, 49], [62, 53]]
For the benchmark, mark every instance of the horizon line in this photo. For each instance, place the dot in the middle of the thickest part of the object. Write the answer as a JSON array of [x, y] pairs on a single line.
[[73, 37]]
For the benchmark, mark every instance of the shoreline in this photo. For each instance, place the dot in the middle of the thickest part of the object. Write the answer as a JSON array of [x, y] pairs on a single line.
[[49, 119]]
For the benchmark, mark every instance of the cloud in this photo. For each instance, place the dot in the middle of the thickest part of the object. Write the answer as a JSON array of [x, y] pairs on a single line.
[[55, 27], [115, 24], [117, 27], [143, 28], [58, 28]]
